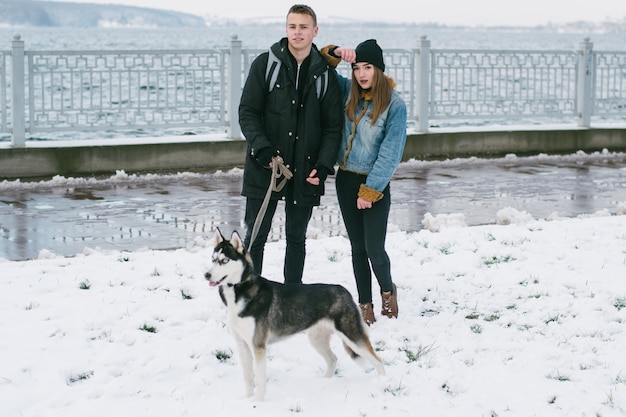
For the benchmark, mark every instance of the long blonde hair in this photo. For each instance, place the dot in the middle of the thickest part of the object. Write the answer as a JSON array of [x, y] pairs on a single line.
[[380, 94]]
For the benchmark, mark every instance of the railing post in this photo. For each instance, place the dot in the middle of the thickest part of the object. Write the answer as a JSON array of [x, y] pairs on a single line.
[[234, 89], [585, 82], [18, 102], [423, 68]]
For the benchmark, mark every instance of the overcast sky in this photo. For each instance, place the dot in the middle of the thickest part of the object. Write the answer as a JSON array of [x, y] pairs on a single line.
[[451, 12]]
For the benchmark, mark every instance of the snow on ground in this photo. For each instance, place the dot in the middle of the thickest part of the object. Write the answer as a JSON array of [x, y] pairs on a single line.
[[521, 318]]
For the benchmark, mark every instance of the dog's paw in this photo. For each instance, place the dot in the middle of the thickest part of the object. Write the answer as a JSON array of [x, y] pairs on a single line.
[[331, 366]]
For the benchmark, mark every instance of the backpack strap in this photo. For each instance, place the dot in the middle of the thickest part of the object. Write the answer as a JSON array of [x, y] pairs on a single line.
[[321, 85], [272, 69], [271, 75]]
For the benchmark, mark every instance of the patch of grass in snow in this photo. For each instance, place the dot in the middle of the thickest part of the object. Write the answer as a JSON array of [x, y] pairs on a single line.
[[222, 355], [492, 317], [476, 328], [333, 256], [79, 377], [610, 400], [445, 249], [495, 260], [517, 242], [620, 303], [295, 408], [31, 306], [396, 390], [419, 353], [379, 346], [559, 377], [84, 285], [447, 389], [454, 276], [525, 282], [425, 260], [552, 319], [148, 328]]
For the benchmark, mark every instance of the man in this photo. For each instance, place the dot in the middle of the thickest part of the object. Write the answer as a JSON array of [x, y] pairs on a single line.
[[297, 118]]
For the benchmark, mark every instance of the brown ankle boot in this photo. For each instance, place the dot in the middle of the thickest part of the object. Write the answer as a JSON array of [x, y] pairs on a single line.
[[367, 311], [390, 303]]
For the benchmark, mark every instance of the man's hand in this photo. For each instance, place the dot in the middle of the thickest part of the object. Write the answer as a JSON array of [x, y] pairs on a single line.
[[312, 178], [318, 175], [264, 157], [347, 54]]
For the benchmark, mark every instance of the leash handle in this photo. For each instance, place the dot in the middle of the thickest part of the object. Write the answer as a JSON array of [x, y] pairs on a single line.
[[278, 170]]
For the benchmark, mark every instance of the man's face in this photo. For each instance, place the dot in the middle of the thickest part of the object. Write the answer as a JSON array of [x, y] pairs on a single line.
[[300, 31]]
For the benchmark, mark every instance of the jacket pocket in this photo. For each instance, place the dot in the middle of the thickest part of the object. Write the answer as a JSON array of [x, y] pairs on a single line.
[[314, 190]]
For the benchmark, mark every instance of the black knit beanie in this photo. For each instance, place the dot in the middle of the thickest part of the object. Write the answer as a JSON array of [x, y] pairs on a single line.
[[369, 51]]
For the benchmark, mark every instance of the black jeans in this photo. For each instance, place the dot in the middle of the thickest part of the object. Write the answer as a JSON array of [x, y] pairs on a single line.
[[367, 230], [296, 222]]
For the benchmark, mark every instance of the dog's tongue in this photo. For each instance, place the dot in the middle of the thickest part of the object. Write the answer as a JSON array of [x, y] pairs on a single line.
[[216, 283]]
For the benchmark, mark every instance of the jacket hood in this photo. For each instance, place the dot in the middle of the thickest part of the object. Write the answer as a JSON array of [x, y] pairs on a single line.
[[318, 64]]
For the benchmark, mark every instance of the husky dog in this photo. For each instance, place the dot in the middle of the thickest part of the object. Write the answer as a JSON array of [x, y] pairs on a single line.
[[261, 311]]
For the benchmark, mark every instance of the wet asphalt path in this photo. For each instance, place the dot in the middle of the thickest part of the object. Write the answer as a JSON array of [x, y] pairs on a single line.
[[171, 211]]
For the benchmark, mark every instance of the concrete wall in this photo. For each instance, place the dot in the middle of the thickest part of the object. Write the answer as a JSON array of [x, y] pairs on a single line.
[[43, 162], [193, 155], [500, 143]]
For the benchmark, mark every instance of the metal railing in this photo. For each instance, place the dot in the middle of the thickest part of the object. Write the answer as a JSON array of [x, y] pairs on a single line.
[[124, 88], [55, 91]]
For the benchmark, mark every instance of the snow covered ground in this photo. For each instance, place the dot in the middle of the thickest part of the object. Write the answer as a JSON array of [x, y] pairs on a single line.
[[520, 318]]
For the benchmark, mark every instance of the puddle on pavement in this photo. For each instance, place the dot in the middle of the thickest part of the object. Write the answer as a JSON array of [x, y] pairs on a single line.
[[166, 212]]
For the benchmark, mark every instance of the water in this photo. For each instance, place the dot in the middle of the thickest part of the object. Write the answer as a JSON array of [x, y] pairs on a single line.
[[262, 36], [65, 215]]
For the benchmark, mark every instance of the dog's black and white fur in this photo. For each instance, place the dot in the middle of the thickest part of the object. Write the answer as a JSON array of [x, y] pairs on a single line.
[[261, 311]]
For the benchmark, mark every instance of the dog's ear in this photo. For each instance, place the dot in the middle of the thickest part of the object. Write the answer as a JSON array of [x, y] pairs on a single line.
[[218, 237], [236, 242]]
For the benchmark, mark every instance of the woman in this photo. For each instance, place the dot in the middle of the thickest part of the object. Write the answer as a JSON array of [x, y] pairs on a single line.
[[371, 148]]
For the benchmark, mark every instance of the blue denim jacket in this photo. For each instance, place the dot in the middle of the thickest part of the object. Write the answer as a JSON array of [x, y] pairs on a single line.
[[375, 150]]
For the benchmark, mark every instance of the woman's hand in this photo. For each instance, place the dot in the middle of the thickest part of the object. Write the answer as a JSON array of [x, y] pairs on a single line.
[[362, 203]]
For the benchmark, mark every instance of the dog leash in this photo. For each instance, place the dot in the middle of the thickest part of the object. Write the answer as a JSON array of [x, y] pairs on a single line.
[[278, 170]]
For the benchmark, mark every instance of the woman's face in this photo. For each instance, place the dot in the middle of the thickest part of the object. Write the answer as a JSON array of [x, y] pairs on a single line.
[[364, 74]]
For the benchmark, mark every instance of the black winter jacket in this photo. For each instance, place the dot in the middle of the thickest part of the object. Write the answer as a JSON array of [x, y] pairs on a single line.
[[305, 133]]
